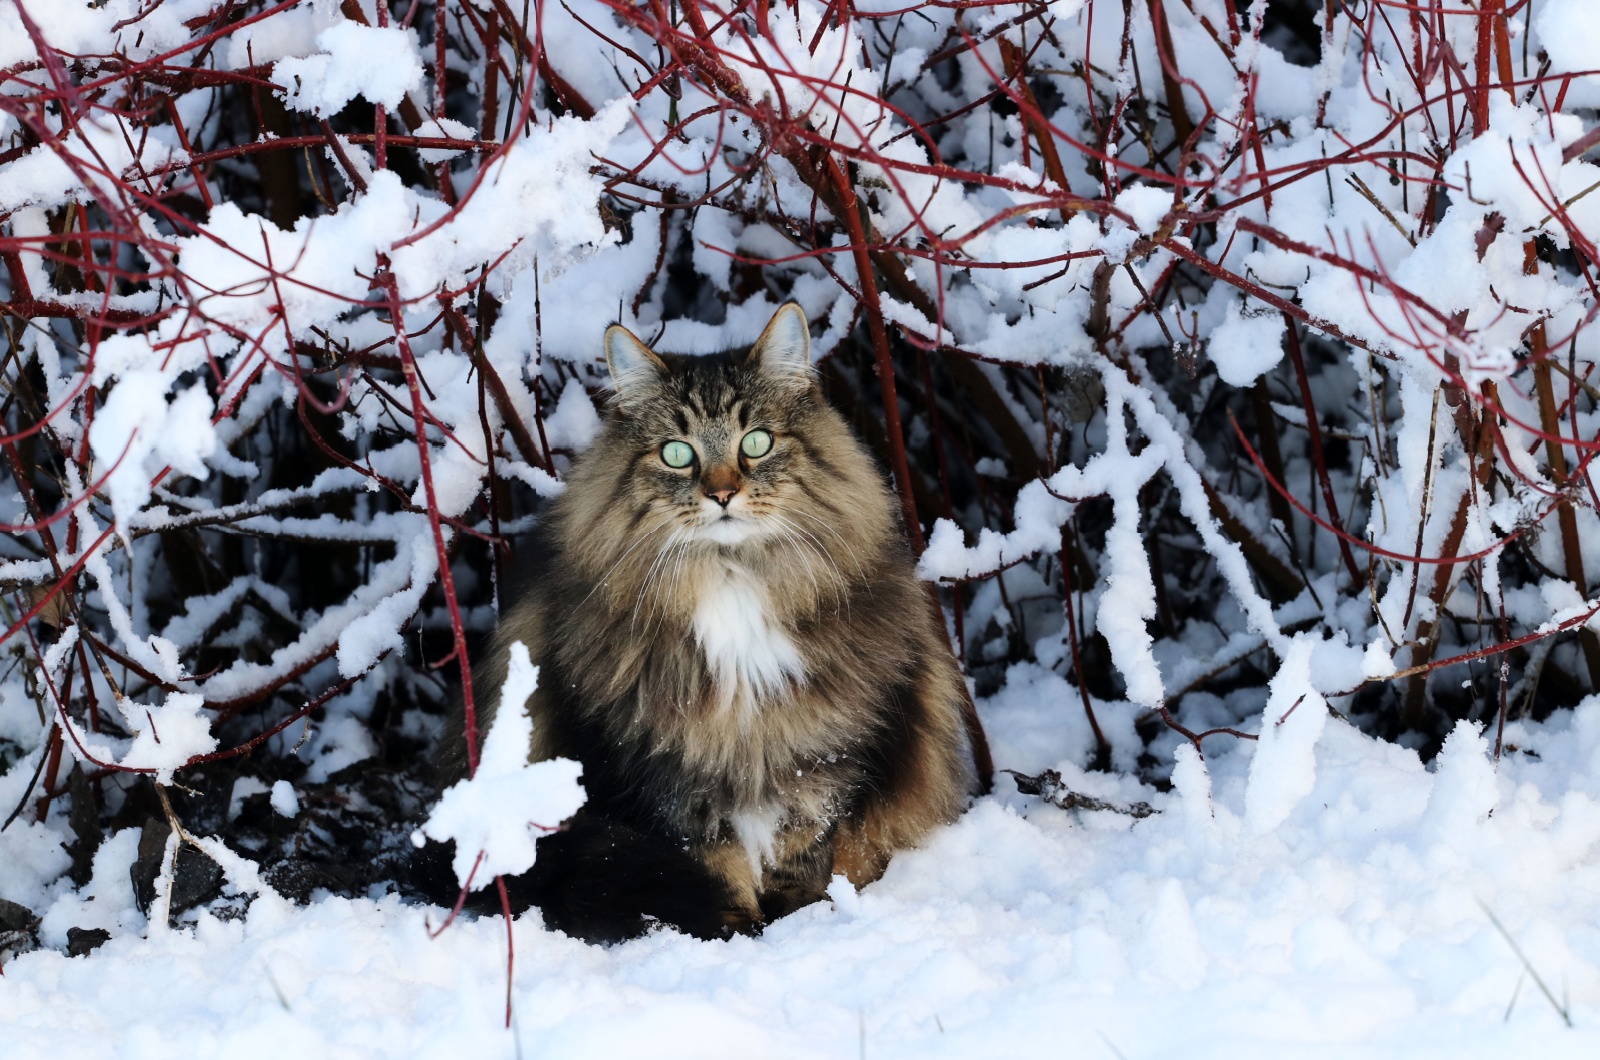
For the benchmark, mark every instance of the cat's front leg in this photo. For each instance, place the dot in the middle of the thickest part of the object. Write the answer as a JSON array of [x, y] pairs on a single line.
[[794, 873], [727, 859], [800, 870]]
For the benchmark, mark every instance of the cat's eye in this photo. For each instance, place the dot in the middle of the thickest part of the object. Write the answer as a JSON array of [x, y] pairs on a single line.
[[677, 454], [757, 443]]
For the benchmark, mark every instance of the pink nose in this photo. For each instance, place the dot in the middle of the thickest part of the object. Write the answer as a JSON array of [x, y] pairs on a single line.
[[722, 496]]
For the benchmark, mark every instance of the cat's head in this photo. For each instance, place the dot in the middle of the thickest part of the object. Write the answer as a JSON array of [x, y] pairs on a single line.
[[729, 448]]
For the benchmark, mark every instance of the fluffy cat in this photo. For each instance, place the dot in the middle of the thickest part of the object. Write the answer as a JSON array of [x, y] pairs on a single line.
[[733, 642]]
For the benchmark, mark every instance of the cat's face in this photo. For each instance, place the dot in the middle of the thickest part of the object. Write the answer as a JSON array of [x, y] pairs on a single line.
[[717, 446]]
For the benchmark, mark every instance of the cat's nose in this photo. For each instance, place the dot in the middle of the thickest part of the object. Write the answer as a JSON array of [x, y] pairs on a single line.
[[720, 484]]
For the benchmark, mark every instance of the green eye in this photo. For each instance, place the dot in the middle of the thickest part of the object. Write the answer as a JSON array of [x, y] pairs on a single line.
[[757, 443], [677, 454]]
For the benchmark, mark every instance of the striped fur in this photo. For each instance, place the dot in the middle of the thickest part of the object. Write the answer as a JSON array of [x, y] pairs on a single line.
[[766, 685]]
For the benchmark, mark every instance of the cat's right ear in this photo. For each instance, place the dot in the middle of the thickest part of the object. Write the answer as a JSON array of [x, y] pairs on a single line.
[[633, 364]]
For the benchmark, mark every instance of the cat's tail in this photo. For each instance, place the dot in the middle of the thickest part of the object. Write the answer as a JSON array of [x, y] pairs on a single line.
[[603, 881]]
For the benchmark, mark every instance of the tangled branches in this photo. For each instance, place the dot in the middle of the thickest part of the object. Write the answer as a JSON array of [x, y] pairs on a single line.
[[1184, 330]]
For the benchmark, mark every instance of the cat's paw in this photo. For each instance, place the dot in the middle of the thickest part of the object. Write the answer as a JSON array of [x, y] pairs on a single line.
[[741, 922]]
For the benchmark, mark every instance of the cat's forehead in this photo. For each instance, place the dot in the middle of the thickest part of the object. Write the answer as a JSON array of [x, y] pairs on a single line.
[[711, 391], [711, 388]]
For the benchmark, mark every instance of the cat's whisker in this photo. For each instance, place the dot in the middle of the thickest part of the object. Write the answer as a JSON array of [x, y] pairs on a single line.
[[842, 583], [665, 583], [656, 567], [796, 532], [855, 560], [787, 536], [682, 562], [642, 538], [671, 583]]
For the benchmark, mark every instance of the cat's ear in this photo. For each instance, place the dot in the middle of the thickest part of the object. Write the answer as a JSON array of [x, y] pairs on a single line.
[[632, 363], [783, 352]]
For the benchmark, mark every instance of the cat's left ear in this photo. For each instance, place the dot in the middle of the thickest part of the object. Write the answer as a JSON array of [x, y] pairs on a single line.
[[783, 352]]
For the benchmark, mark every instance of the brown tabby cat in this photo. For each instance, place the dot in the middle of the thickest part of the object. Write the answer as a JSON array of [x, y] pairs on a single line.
[[733, 643]]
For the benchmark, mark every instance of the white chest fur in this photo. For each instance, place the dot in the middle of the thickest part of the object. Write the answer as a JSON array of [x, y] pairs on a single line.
[[750, 656]]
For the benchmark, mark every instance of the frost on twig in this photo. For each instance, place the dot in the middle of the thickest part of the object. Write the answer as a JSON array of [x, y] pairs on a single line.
[[1049, 786]]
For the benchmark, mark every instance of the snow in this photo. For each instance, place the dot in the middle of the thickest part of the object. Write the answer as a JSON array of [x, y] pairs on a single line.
[[138, 432], [1129, 603], [1146, 205], [43, 176], [447, 128], [380, 64], [242, 789], [287, 33], [498, 813], [1040, 514], [573, 423], [107, 901], [1569, 33], [364, 640], [79, 28], [1246, 344], [1283, 770], [284, 802], [1358, 925], [166, 737]]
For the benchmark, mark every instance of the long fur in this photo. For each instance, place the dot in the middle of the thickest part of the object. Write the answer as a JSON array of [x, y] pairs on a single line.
[[766, 686]]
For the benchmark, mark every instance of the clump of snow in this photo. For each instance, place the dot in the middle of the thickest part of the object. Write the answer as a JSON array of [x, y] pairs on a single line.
[[287, 33], [446, 128], [1283, 770], [1039, 518], [380, 64], [497, 812], [43, 176], [1376, 662], [107, 902], [339, 741], [1247, 344], [243, 788], [1192, 781], [573, 423], [1147, 205], [168, 736], [1569, 33], [1465, 789], [1171, 941], [285, 803], [844, 896], [369, 637], [165, 737], [137, 432]]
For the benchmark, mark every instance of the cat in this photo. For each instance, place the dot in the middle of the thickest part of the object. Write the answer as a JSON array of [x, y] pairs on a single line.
[[733, 642]]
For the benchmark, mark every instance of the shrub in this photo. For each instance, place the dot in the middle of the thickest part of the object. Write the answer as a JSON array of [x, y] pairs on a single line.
[[1183, 329]]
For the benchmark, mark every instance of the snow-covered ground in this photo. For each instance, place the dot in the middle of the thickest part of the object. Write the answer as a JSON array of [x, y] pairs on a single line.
[[1357, 925]]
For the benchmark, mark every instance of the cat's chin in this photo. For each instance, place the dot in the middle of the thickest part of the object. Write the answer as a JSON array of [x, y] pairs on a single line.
[[733, 531]]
